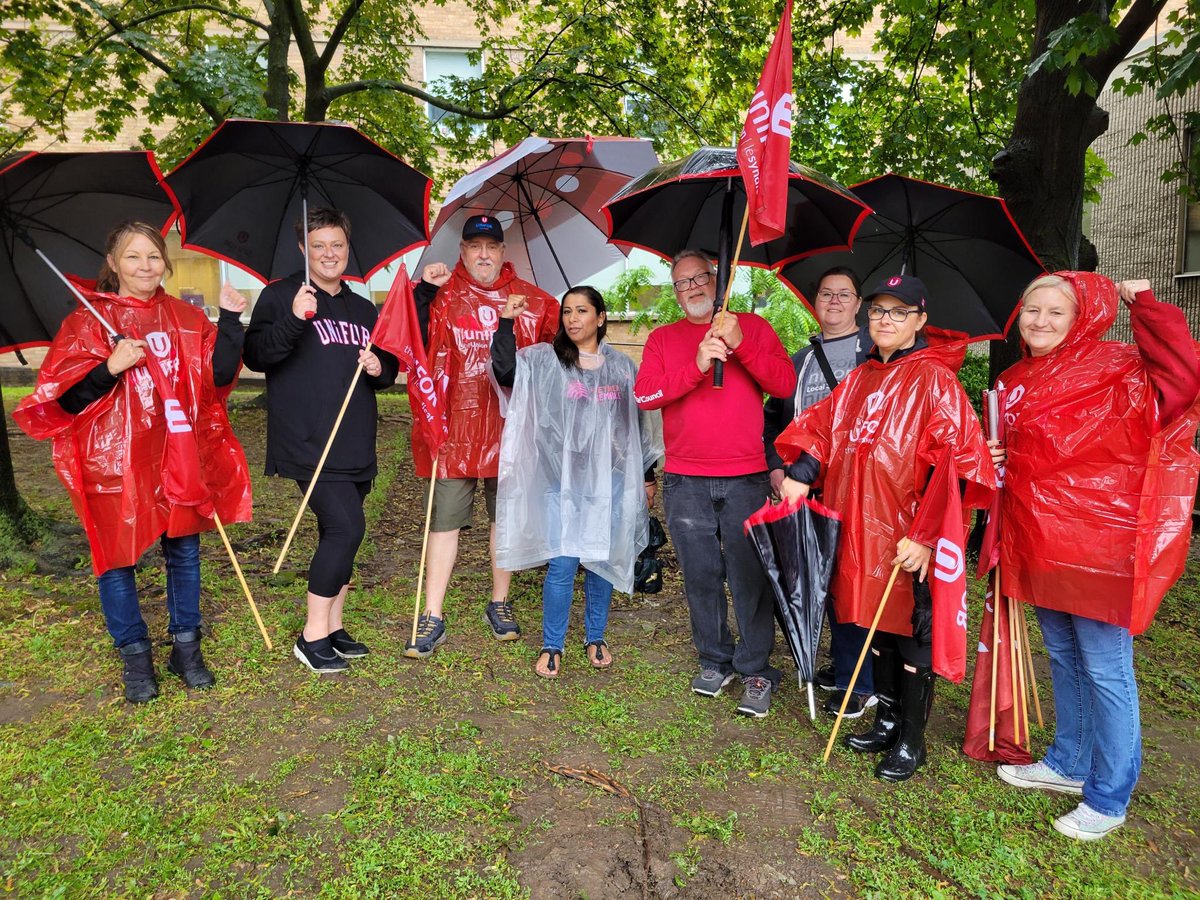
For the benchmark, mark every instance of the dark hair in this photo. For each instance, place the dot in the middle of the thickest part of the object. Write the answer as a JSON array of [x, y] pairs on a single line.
[[107, 281], [564, 347], [323, 217], [844, 271]]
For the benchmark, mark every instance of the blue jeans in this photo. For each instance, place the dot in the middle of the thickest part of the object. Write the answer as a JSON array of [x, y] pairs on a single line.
[[119, 599], [845, 643], [1097, 734], [705, 517], [557, 591]]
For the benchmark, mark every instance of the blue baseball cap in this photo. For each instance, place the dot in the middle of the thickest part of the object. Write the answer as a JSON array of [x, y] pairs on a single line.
[[483, 226]]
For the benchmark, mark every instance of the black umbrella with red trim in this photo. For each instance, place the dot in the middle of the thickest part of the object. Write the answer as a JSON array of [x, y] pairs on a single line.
[[966, 247]]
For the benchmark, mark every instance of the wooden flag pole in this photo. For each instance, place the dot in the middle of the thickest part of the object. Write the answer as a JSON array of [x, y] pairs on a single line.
[[861, 656], [424, 552], [1013, 663], [242, 579], [737, 255], [1037, 703], [995, 654], [1019, 649], [320, 465]]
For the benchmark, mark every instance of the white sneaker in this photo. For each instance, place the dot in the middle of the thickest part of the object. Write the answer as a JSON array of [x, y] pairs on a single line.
[[1039, 775], [1085, 824]]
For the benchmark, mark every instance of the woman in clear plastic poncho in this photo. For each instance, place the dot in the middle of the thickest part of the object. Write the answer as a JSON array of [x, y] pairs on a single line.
[[576, 469]]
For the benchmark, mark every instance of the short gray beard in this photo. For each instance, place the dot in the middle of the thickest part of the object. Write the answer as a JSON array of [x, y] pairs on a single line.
[[699, 310]]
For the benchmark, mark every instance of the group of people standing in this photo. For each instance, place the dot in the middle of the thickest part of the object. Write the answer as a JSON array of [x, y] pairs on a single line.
[[1097, 466]]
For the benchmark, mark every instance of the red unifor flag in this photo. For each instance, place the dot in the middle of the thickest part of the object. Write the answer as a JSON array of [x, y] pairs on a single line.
[[764, 148], [396, 331], [181, 478], [975, 742], [939, 524], [989, 549]]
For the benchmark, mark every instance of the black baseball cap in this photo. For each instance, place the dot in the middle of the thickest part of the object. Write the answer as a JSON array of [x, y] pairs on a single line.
[[907, 288], [483, 226]]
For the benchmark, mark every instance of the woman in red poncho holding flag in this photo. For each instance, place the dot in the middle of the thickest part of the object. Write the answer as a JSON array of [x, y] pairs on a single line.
[[873, 443], [1099, 486], [142, 441]]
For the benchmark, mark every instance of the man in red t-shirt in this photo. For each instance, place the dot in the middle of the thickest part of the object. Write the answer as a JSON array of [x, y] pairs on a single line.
[[715, 473]]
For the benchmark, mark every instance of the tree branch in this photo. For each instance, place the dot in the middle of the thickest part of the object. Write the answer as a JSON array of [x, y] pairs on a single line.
[[345, 20], [300, 28], [160, 13], [1136, 22], [385, 84]]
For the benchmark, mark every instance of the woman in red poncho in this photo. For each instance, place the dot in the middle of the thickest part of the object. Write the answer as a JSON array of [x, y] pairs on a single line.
[[142, 443], [1099, 485], [874, 443]]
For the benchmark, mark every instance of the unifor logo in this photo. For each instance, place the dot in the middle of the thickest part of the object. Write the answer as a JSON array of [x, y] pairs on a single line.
[[893, 281], [159, 343], [488, 317], [864, 429], [1012, 398], [947, 561]]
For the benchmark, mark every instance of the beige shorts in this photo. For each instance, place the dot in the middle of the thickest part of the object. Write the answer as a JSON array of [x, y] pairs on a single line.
[[453, 499]]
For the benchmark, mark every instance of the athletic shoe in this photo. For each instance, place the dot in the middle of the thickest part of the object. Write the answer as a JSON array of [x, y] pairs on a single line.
[[501, 620], [319, 656], [1041, 776], [431, 634], [347, 647], [825, 679], [710, 682], [855, 706], [756, 697], [1085, 824]]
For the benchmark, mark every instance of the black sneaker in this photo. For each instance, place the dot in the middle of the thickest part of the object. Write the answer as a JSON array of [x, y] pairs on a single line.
[[345, 646], [431, 634], [855, 706], [501, 620], [756, 697], [825, 679], [319, 656]]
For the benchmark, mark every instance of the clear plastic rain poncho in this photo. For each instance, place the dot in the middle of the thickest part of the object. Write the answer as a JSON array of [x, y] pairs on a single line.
[[573, 457]]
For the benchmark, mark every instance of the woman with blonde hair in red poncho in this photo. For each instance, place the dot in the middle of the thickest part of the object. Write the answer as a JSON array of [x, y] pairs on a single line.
[[142, 441], [1099, 486]]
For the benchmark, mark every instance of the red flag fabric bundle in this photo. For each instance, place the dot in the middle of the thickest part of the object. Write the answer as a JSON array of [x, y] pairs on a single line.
[[764, 148], [939, 524], [975, 743], [396, 332]]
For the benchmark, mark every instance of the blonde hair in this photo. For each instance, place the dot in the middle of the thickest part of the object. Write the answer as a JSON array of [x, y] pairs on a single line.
[[107, 281], [1057, 282]]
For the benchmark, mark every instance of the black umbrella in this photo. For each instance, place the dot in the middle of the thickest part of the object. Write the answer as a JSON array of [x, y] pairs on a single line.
[[964, 246], [797, 544], [60, 207], [241, 192]]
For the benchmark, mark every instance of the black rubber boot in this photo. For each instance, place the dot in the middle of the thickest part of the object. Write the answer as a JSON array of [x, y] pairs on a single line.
[[140, 684], [886, 731], [916, 702], [188, 662]]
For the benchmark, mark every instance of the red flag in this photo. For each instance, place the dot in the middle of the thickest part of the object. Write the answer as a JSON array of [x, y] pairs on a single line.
[[975, 743], [939, 524], [396, 332], [765, 145], [989, 549], [181, 479]]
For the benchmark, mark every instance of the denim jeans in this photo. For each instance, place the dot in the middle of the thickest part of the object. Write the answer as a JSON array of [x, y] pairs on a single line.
[[557, 591], [705, 516], [1097, 733], [845, 644], [119, 599]]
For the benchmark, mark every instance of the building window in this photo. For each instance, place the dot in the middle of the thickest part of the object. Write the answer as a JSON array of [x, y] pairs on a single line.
[[442, 64], [1191, 207]]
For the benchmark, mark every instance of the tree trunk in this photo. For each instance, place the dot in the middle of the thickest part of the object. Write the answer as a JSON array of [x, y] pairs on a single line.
[[12, 507], [279, 43]]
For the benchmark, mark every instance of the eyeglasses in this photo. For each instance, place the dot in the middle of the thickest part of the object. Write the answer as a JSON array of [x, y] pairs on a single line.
[[698, 280], [827, 296], [895, 313]]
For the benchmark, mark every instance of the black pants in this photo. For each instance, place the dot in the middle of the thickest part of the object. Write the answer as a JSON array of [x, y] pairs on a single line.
[[341, 525], [916, 650]]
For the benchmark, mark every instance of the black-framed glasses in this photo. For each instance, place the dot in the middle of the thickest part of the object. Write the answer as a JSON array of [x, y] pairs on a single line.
[[827, 296], [895, 313], [698, 280]]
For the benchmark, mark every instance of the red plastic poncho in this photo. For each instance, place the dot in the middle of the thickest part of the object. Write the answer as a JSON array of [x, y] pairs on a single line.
[[110, 456], [1098, 495], [462, 319], [877, 436]]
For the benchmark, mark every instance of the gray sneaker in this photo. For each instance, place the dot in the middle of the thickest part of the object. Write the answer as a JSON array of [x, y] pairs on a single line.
[[1086, 824], [710, 682], [756, 697], [1039, 775]]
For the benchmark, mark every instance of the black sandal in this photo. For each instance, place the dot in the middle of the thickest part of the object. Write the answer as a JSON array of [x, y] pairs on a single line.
[[555, 657], [601, 661]]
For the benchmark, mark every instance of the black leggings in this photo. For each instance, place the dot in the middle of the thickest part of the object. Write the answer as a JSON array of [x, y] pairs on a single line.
[[338, 506], [916, 650]]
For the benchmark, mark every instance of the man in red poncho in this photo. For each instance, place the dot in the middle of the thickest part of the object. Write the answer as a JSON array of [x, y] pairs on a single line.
[[145, 455], [462, 317], [873, 443]]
